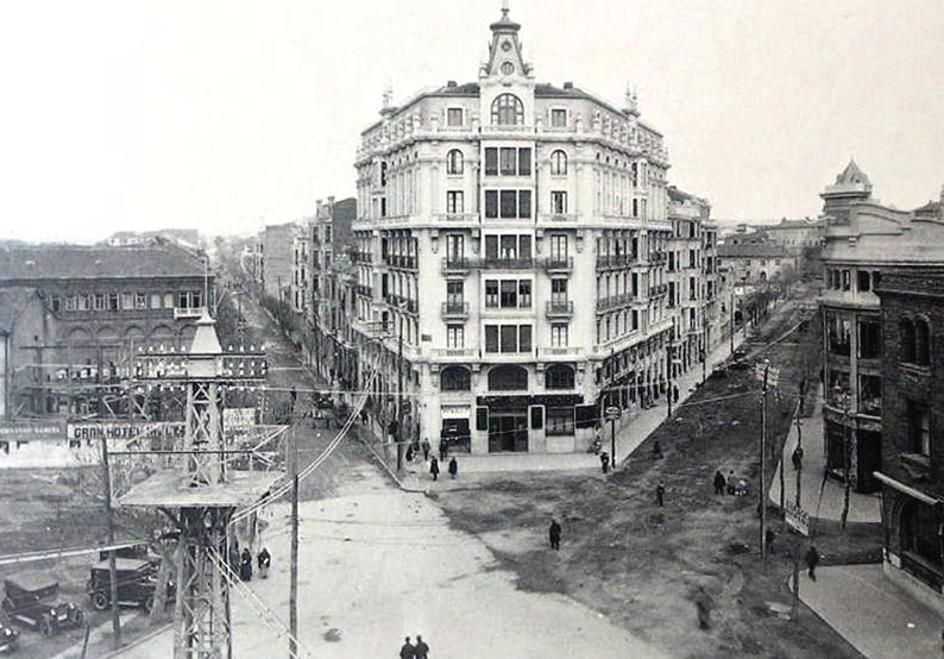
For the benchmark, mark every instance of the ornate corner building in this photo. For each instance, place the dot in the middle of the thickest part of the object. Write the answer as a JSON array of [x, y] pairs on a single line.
[[512, 260]]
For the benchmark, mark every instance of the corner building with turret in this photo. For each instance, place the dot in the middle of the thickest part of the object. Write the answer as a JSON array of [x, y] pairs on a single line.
[[511, 255]]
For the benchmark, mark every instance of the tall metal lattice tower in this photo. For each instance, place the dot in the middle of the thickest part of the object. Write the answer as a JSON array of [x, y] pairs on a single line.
[[201, 483]]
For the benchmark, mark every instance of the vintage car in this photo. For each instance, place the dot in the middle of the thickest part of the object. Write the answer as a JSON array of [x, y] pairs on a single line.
[[33, 600], [137, 583], [9, 637]]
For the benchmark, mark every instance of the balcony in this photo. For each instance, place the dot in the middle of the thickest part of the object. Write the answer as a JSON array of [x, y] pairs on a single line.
[[560, 309], [188, 312], [605, 261], [405, 304], [614, 302], [455, 310], [559, 263], [458, 217], [658, 291], [506, 128], [558, 217], [455, 354], [565, 352], [401, 261], [489, 263], [457, 264], [366, 291]]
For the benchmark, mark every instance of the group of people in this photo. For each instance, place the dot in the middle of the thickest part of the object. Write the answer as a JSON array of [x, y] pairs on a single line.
[[453, 468], [729, 485], [241, 562], [418, 651]]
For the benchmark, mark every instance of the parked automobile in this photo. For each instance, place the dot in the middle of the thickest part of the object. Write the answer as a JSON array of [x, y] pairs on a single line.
[[33, 600], [9, 637], [137, 584]]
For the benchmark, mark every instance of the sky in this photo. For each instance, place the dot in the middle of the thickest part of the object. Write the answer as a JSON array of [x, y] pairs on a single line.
[[227, 115]]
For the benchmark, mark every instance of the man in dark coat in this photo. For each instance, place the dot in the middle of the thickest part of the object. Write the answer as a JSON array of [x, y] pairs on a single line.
[[245, 565], [605, 461], [797, 458], [731, 482], [434, 468], [555, 534], [453, 468], [660, 494], [408, 651], [719, 483], [426, 448], [422, 650], [264, 560], [443, 450], [812, 560]]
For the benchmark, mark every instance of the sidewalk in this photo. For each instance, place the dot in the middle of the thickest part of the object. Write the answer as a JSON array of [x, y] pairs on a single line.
[[871, 612], [862, 507], [643, 423]]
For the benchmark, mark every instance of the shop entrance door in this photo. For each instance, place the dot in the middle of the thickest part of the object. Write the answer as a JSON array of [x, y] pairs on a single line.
[[508, 431]]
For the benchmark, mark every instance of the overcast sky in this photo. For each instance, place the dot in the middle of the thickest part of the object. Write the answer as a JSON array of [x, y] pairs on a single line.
[[141, 115]]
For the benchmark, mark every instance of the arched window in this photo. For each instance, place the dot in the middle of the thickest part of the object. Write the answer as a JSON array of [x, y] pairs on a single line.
[[507, 378], [907, 341], [559, 376], [558, 163], [454, 162], [922, 342], [507, 110], [455, 378], [919, 531]]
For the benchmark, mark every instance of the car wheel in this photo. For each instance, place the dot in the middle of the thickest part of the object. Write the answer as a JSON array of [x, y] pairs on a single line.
[[99, 601], [149, 603], [45, 627]]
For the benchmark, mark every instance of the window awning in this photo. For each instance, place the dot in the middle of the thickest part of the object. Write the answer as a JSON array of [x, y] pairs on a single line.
[[905, 489]]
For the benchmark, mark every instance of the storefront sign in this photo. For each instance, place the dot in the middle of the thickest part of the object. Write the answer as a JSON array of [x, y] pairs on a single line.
[[126, 430], [797, 518], [238, 418], [29, 431]]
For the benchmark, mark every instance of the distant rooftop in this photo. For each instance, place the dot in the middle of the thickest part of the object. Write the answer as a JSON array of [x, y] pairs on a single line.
[[752, 250], [98, 262]]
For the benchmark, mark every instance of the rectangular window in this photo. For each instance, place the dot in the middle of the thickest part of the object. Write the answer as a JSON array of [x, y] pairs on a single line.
[[99, 302], [455, 336], [846, 280], [491, 203], [455, 201], [635, 320], [524, 293], [491, 161], [558, 290], [509, 164], [509, 203], [127, 300], [560, 421], [524, 338], [72, 303], [558, 202], [524, 204], [140, 301], [558, 247], [865, 281], [559, 336], [491, 247], [509, 247], [491, 293], [558, 118], [509, 338], [454, 117], [491, 338], [919, 427], [509, 294], [55, 303], [524, 162], [455, 247], [455, 292], [524, 247], [870, 339]]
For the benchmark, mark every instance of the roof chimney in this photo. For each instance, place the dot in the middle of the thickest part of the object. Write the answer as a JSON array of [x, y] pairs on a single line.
[[568, 85]]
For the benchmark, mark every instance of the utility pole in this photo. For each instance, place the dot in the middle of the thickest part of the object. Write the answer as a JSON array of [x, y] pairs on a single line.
[[399, 435], [704, 364], [670, 349], [763, 465], [112, 569], [293, 577], [613, 440], [731, 314], [847, 455], [799, 482]]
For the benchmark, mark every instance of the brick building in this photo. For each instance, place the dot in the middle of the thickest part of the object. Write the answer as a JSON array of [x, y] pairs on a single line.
[[912, 469]]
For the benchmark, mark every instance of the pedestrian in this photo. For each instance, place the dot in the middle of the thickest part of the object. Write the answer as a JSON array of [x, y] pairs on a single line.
[[443, 450], [731, 482], [434, 468], [554, 533], [264, 560], [675, 393], [660, 494], [812, 560], [245, 566], [656, 450], [422, 650], [409, 453], [720, 482], [426, 447], [234, 557], [797, 458], [769, 537], [703, 606], [453, 468], [605, 462], [408, 651]]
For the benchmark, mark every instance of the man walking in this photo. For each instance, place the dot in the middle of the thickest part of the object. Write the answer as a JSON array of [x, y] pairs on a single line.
[[605, 462], [408, 651], [264, 560], [442, 450], [426, 448], [797, 458], [812, 560], [453, 468], [554, 533], [720, 483], [434, 468], [422, 650], [660, 494]]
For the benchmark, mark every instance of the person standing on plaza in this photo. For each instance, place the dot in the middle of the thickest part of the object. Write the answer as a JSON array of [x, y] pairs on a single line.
[[720, 483], [245, 566], [434, 468], [554, 533], [605, 462], [453, 468], [426, 448], [422, 650], [443, 450], [660, 494], [264, 560], [812, 560], [408, 651]]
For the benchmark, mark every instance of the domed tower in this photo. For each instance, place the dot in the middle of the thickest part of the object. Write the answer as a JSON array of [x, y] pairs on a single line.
[[851, 186]]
